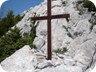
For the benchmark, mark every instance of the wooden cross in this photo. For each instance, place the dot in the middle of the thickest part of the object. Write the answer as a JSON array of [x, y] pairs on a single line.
[[48, 18]]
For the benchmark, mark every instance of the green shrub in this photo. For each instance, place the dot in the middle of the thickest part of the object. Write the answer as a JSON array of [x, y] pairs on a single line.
[[61, 51], [7, 43], [9, 21], [13, 41], [88, 4]]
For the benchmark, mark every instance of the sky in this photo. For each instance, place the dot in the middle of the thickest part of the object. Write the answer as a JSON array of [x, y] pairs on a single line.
[[18, 6]]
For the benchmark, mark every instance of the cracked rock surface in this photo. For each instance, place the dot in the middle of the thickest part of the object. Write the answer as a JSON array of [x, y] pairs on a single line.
[[74, 35]]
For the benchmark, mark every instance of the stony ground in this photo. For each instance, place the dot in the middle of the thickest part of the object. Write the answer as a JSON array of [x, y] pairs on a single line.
[[75, 36]]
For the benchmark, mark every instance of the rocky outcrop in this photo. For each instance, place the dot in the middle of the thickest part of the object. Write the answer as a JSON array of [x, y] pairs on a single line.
[[21, 61], [75, 35]]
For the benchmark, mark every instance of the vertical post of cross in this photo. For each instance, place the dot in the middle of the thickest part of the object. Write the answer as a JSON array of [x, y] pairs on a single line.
[[49, 30], [48, 18]]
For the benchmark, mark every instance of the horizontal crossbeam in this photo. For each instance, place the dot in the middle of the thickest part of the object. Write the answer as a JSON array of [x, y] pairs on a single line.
[[52, 17], [48, 18]]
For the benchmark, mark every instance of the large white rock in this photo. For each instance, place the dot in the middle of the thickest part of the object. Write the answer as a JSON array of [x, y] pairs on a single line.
[[21, 61], [62, 68], [38, 42], [83, 49], [45, 64], [82, 27], [1, 69], [74, 35]]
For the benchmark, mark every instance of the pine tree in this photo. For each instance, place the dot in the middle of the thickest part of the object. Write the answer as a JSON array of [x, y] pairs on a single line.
[[7, 22], [12, 40], [88, 4], [7, 43]]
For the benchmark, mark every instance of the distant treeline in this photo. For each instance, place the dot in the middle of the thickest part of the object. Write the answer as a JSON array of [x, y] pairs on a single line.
[[7, 22], [11, 39]]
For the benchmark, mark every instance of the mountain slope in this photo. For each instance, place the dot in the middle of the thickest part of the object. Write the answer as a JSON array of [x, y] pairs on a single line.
[[78, 37]]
